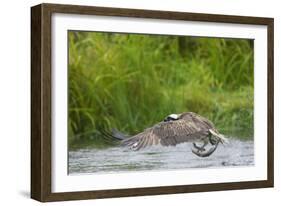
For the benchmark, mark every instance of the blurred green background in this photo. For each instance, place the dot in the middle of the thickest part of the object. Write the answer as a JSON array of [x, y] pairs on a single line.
[[132, 81]]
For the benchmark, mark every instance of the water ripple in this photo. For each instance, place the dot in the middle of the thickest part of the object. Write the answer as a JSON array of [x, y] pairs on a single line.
[[117, 159]]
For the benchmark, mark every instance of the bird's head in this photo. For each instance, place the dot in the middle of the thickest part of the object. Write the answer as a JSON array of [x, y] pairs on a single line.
[[171, 117]]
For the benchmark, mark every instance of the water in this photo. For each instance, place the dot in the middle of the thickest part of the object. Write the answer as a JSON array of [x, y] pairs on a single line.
[[117, 159]]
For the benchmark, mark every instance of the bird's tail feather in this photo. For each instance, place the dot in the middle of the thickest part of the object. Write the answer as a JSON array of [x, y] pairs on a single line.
[[221, 137]]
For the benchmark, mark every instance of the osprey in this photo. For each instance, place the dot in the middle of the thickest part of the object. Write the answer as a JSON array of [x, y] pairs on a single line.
[[173, 130]]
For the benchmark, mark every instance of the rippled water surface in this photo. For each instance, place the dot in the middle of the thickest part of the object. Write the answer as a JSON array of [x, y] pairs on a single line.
[[117, 159]]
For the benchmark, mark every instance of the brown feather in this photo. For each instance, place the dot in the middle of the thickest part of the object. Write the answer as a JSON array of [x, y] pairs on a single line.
[[189, 127]]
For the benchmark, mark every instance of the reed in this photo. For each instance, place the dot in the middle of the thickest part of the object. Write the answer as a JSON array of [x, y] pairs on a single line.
[[130, 82]]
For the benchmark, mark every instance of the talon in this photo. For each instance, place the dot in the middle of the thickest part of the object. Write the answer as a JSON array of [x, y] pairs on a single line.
[[201, 149], [213, 141], [206, 154]]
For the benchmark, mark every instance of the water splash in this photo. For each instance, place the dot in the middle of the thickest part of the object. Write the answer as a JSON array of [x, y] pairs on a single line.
[[119, 159]]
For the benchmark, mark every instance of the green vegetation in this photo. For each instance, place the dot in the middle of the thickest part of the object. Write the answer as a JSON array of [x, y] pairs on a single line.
[[131, 81]]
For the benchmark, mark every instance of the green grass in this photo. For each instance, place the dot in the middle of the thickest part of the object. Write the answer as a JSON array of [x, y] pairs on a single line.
[[130, 82]]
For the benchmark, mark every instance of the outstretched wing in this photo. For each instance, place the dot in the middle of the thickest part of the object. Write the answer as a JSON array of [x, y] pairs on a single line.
[[169, 133], [180, 131], [141, 140]]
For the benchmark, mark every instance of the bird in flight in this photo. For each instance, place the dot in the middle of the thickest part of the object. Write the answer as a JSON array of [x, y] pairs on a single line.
[[173, 130]]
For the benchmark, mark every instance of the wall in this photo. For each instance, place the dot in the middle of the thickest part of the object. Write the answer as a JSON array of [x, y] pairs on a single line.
[[15, 101]]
